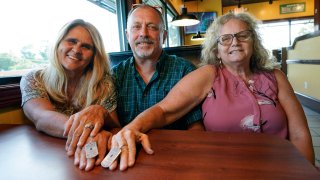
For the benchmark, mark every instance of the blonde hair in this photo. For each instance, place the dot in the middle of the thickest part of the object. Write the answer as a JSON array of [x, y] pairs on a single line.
[[260, 59], [91, 88]]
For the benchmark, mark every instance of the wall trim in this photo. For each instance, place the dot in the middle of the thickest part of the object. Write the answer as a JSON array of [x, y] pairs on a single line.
[[309, 102], [304, 61]]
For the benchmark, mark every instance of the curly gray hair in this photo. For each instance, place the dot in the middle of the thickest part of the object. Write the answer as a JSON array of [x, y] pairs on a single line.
[[260, 59]]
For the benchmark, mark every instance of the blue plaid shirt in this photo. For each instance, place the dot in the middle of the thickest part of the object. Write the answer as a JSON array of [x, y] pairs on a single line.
[[134, 95]]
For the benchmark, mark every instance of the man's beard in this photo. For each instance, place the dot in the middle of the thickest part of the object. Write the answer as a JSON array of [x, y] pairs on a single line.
[[144, 52]]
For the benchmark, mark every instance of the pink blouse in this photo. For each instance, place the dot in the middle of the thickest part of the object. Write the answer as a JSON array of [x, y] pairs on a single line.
[[232, 106]]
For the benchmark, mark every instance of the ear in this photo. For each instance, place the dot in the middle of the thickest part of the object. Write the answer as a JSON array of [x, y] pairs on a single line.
[[216, 52], [127, 35]]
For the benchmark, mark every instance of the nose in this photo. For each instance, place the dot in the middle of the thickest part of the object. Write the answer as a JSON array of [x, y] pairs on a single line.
[[76, 48], [143, 31], [234, 40]]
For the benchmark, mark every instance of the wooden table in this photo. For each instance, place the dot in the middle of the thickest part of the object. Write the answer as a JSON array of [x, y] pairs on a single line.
[[28, 154]]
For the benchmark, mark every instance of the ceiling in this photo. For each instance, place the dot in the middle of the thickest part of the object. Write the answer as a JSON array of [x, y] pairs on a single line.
[[235, 2]]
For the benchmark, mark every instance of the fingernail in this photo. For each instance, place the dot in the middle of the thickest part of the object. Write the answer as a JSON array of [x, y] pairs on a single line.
[[70, 153], [150, 151]]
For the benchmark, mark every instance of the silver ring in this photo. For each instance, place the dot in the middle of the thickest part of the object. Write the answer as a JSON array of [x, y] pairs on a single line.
[[89, 126]]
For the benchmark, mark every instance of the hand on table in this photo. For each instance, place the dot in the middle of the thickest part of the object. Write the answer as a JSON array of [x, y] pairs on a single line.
[[126, 139], [103, 138], [83, 124]]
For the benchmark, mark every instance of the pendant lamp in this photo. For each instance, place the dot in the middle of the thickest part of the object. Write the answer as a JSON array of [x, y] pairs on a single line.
[[197, 37], [184, 19]]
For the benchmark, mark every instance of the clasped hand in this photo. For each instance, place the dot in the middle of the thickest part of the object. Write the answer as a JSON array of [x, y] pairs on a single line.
[[84, 127], [126, 139]]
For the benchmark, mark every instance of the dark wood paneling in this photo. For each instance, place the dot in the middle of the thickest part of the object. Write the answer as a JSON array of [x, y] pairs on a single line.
[[10, 95], [316, 15]]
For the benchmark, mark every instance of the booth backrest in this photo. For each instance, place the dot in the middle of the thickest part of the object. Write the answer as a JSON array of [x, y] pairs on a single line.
[[191, 53]]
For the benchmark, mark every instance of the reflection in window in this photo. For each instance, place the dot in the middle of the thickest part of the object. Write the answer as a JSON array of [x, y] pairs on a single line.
[[173, 32], [301, 27], [173, 38], [28, 28]]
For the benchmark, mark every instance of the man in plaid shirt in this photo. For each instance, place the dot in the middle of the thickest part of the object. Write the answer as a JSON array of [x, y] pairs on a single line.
[[146, 78]]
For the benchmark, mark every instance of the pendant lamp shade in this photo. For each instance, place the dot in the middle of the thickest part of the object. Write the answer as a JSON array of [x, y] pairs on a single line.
[[197, 37], [185, 19]]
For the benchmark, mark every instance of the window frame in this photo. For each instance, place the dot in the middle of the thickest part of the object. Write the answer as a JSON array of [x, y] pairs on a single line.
[[289, 21], [10, 94]]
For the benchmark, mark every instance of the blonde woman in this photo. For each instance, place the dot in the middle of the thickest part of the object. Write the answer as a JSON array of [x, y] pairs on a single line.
[[61, 99]]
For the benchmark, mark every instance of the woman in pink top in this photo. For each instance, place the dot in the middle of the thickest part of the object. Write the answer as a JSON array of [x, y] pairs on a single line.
[[239, 87]]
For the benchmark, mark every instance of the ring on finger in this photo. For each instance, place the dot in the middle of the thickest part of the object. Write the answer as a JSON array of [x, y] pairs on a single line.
[[89, 126]]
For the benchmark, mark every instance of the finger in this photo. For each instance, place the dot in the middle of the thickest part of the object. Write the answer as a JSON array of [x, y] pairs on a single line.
[[144, 140], [130, 138], [77, 156], [69, 139], [83, 160], [71, 132], [110, 141], [121, 140], [96, 129], [102, 147], [68, 126], [90, 164], [73, 143], [124, 158], [84, 136], [114, 165], [114, 143]]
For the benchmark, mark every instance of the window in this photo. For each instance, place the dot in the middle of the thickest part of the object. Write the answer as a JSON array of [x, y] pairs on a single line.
[[276, 35], [173, 32], [173, 38], [28, 28]]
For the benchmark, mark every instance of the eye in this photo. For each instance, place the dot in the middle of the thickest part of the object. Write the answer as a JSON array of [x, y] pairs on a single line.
[[226, 37], [72, 41], [87, 46], [136, 27], [243, 35], [153, 27]]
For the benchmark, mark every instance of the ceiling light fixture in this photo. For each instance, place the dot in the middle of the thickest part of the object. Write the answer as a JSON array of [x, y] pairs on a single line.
[[184, 19], [197, 37]]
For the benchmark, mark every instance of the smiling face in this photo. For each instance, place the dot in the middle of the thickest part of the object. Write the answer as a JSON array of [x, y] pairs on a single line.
[[238, 52], [145, 33], [75, 51]]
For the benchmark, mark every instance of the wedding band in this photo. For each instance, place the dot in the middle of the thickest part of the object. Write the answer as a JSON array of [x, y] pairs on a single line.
[[89, 125]]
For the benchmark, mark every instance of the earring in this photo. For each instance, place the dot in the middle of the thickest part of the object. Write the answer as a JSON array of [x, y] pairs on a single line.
[[220, 62]]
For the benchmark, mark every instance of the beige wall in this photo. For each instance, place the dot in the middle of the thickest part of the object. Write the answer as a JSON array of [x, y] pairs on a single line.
[[305, 78], [262, 11], [306, 49], [266, 11]]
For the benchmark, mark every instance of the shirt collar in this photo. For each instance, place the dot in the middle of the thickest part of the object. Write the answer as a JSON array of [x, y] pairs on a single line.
[[160, 62]]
